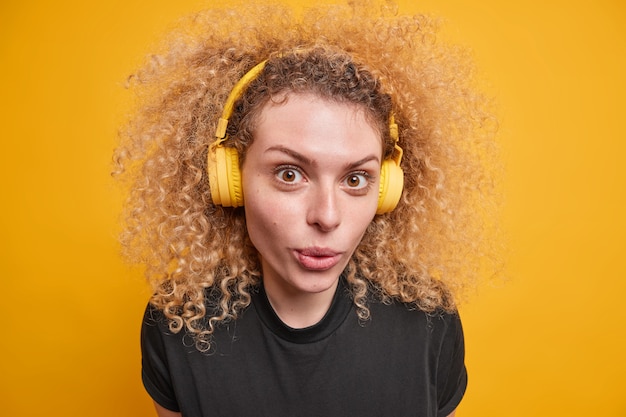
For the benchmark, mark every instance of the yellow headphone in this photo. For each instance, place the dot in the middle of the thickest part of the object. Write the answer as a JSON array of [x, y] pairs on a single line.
[[225, 175]]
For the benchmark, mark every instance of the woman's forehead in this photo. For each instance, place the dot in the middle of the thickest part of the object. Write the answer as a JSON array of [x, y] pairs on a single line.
[[307, 101], [309, 124]]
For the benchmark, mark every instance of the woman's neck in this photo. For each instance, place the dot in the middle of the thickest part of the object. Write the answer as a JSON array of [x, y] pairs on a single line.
[[296, 309]]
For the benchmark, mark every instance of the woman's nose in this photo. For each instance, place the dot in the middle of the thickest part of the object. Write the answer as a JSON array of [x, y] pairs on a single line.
[[324, 211]]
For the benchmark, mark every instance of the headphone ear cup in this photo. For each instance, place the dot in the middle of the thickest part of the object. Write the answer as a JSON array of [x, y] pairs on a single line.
[[225, 177], [212, 172], [391, 184]]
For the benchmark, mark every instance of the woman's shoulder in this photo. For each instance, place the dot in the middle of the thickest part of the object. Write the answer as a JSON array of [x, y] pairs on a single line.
[[410, 316]]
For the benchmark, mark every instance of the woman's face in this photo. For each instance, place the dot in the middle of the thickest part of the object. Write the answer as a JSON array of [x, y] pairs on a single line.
[[310, 181]]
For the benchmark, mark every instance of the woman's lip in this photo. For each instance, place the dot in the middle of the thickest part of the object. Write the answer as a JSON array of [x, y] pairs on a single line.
[[317, 259]]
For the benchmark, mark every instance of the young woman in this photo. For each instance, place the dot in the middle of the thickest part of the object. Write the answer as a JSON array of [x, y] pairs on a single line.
[[304, 197]]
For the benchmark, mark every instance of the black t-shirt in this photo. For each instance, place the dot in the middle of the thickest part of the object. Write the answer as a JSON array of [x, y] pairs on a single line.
[[401, 362]]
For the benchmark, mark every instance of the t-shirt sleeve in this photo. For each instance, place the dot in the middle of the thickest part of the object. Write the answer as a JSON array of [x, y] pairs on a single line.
[[452, 374], [155, 371]]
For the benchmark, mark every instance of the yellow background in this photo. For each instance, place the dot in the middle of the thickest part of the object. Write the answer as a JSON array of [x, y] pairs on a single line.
[[549, 341]]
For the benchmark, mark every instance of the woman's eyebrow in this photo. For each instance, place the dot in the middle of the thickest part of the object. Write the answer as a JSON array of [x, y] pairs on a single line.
[[296, 155], [305, 160], [363, 161]]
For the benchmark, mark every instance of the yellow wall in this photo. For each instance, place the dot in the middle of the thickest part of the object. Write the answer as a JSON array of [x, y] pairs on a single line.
[[550, 341]]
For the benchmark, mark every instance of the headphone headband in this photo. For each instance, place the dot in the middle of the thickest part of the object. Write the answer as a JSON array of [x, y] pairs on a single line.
[[235, 94]]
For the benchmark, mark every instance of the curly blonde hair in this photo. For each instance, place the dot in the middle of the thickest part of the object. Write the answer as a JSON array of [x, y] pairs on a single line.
[[424, 253]]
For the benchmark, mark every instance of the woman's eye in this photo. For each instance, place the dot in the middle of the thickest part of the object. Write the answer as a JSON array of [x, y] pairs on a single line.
[[357, 181], [289, 175]]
